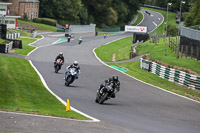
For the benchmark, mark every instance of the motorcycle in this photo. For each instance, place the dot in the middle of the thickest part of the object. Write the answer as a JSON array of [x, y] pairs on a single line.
[[70, 76], [57, 65], [104, 94]]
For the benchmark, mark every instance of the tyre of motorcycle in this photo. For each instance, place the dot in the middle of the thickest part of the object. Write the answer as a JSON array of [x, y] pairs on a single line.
[[97, 97], [69, 80], [56, 68], [103, 98]]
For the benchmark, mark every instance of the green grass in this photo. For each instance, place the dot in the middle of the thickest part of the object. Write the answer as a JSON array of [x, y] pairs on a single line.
[[120, 48], [26, 48], [135, 71], [2, 41], [21, 90], [139, 19], [22, 33], [39, 26], [171, 19], [102, 33], [157, 52]]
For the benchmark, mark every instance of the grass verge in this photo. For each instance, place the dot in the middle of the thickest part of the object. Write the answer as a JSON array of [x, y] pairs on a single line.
[[171, 20], [21, 90], [120, 48], [157, 52], [39, 26], [139, 19], [26, 48]]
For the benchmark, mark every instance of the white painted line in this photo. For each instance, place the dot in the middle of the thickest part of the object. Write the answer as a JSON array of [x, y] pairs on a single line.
[[138, 79], [160, 23], [63, 102], [31, 44], [142, 19], [151, 15], [57, 35], [155, 24], [43, 116]]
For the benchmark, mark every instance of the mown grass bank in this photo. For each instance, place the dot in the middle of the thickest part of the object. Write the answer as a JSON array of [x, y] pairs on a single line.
[[21, 90], [120, 50], [139, 19], [156, 52], [42, 27], [26, 48]]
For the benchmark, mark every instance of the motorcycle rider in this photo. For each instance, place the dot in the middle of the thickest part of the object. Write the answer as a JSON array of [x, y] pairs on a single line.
[[115, 85], [76, 66], [60, 56]]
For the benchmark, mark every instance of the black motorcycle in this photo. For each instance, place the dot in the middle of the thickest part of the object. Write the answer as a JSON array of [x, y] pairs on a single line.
[[104, 93], [57, 65]]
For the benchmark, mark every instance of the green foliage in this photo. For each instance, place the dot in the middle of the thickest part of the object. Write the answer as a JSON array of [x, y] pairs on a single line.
[[175, 4], [194, 16], [172, 30], [2, 41], [106, 12], [47, 21], [25, 17]]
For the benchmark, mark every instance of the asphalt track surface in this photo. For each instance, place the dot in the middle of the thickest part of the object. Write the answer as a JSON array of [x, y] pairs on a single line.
[[137, 108]]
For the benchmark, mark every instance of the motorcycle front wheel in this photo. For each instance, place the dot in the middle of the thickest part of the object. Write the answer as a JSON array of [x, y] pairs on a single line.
[[103, 98]]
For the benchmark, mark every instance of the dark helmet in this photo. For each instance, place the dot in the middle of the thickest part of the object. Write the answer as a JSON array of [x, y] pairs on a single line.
[[115, 78], [109, 79]]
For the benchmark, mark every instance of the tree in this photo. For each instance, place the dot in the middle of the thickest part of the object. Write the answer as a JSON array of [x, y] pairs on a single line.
[[194, 16]]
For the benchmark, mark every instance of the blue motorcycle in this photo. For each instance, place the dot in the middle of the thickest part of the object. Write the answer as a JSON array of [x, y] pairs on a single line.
[[70, 76]]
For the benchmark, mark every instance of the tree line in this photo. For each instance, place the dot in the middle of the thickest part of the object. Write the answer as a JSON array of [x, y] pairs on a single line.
[[190, 10], [101, 12]]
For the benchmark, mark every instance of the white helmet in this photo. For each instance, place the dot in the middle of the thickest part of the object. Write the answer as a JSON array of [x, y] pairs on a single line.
[[75, 63], [60, 54]]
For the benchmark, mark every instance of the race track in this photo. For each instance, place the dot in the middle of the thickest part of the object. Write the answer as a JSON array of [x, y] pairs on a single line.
[[137, 108]]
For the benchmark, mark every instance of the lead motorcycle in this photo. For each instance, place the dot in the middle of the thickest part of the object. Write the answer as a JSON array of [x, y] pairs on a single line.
[[70, 76], [104, 93], [58, 64]]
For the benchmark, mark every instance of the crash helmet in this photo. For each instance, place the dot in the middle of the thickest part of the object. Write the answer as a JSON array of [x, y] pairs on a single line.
[[75, 63], [60, 54], [106, 81], [115, 78], [109, 79]]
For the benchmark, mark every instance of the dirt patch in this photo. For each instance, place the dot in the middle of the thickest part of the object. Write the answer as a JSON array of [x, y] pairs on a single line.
[[174, 67], [114, 57], [12, 51]]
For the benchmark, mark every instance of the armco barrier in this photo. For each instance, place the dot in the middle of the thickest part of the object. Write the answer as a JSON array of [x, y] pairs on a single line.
[[170, 74]]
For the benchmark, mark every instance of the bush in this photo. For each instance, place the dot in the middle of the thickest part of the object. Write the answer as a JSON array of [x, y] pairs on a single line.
[[47, 21], [37, 20]]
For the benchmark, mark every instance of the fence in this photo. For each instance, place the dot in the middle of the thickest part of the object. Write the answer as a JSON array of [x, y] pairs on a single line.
[[170, 74], [190, 42], [6, 48], [13, 36]]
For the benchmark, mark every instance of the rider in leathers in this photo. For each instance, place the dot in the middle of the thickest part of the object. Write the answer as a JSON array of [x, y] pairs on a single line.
[[115, 85], [60, 56], [76, 66]]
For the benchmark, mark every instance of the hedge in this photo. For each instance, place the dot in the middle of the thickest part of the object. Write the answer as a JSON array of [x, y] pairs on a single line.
[[47, 21]]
